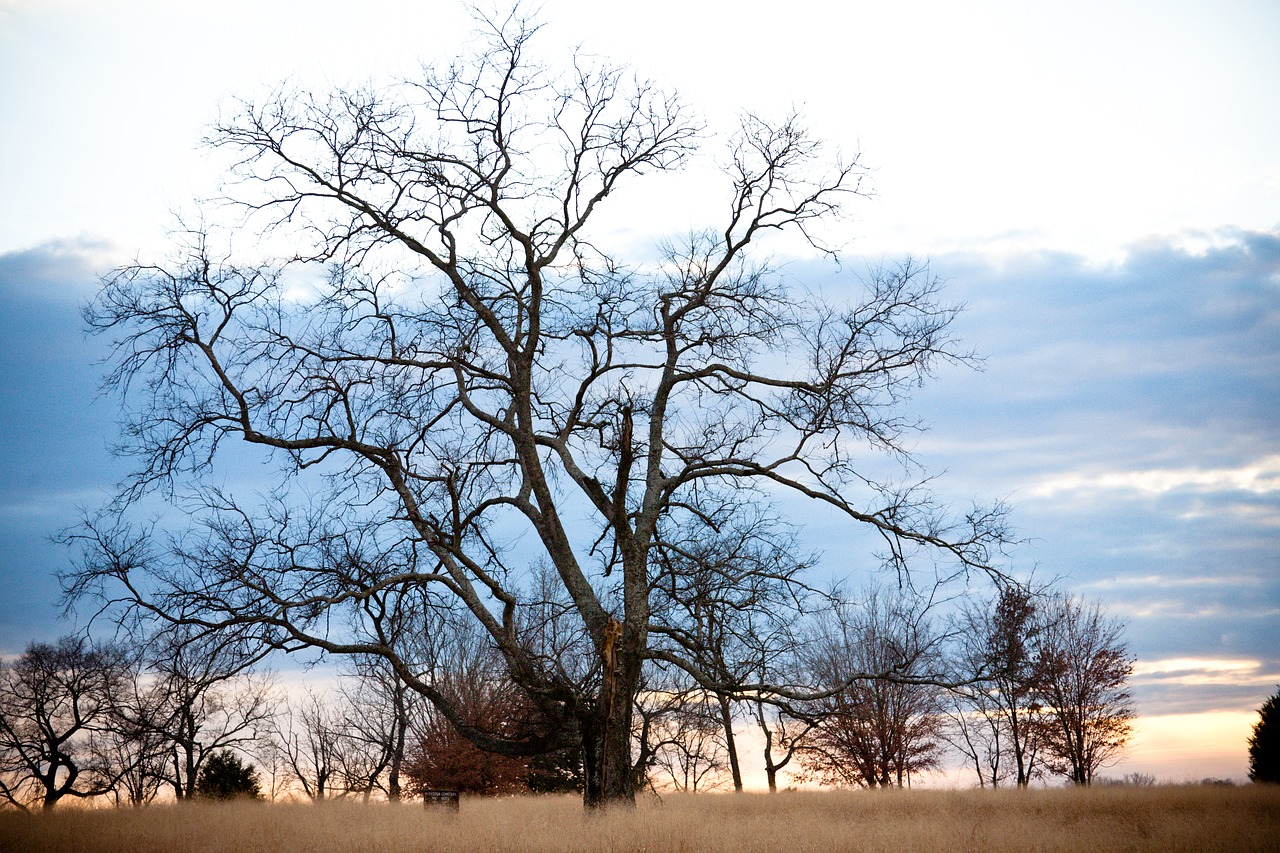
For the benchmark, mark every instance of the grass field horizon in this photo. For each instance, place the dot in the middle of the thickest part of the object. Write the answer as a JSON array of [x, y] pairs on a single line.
[[1155, 818]]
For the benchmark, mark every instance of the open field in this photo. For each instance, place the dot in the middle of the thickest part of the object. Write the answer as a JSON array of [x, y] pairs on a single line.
[[1166, 818]]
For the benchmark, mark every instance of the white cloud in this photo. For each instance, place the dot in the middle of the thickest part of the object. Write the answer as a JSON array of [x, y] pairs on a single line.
[[1203, 671], [1188, 608], [1261, 477], [1196, 665], [1152, 581]]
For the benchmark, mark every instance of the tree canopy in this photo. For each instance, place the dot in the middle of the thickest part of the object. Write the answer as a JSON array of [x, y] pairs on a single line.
[[476, 411]]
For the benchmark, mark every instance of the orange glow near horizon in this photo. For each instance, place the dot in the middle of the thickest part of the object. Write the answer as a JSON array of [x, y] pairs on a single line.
[[1189, 747]]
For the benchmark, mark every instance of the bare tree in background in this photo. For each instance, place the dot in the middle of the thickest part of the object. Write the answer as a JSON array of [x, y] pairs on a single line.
[[204, 698], [875, 731], [379, 709], [474, 366], [308, 736], [679, 734], [134, 743], [998, 716], [976, 730], [1082, 676], [380, 705], [727, 593], [55, 700], [784, 736], [690, 751]]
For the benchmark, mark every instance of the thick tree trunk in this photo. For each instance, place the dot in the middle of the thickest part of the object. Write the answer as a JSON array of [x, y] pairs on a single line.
[[189, 785], [608, 773], [606, 732]]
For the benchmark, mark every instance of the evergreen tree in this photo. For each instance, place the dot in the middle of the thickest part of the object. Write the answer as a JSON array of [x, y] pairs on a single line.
[[1264, 743], [225, 777]]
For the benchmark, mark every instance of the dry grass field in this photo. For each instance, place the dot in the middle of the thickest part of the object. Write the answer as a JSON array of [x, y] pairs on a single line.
[[1165, 818]]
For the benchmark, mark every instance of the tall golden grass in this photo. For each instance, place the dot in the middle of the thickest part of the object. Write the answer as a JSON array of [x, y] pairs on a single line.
[[1164, 818]]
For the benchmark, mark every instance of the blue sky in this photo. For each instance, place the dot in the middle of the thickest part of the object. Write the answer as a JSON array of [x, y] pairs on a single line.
[[1101, 187]]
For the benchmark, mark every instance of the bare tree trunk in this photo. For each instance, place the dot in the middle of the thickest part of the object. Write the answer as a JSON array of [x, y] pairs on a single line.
[[726, 718], [397, 759], [606, 734], [189, 754], [608, 775], [1019, 748]]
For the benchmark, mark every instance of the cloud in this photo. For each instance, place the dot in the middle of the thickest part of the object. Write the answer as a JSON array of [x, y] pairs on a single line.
[[1165, 581], [1127, 411], [54, 431], [58, 271], [1197, 671], [1186, 608], [1261, 477], [1198, 684], [1168, 361]]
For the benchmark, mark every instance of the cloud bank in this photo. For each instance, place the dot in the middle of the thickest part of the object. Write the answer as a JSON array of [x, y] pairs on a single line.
[[1127, 411]]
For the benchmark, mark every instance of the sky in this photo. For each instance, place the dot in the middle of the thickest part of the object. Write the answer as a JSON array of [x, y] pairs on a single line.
[[1099, 183]]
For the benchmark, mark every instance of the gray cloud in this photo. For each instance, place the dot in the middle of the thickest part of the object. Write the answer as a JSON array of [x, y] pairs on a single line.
[[57, 272], [54, 432], [1128, 412]]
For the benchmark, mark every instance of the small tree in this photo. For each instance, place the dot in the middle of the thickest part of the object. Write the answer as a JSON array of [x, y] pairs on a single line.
[[997, 720], [1083, 668], [376, 726], [782, 732], [886, 722], [679, 735], [204, 697], [471, 675], [1264, 743], [57, 701], [312, 742], [225, 777]]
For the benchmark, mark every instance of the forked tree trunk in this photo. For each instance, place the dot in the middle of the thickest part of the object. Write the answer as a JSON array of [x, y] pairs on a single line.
[[770, 769]]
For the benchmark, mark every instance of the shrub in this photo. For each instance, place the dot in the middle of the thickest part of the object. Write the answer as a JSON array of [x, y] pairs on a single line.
[[225, 777], [1130, 780]]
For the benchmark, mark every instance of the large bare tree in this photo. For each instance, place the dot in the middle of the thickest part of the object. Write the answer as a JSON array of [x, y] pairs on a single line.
[[475, 386]]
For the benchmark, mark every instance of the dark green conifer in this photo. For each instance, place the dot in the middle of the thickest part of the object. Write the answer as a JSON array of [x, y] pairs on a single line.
[[1264, 743], [225, 777]]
